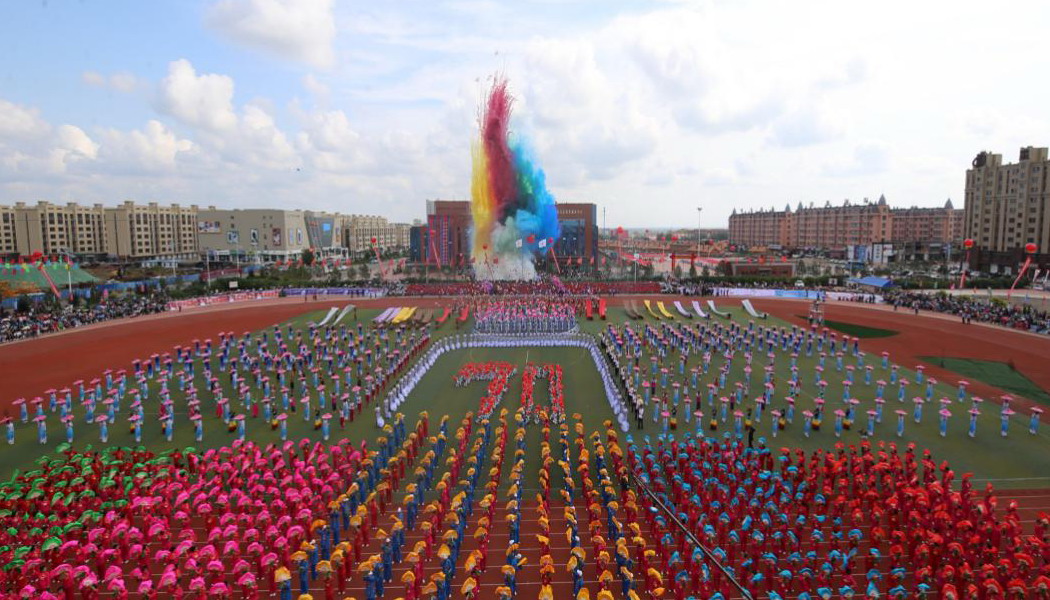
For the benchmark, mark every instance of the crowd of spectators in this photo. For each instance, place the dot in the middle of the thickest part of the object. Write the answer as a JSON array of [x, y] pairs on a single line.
[[970, 309], [39, 319]]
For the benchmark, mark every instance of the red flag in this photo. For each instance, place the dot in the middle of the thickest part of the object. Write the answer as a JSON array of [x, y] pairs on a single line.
[[531, 238]]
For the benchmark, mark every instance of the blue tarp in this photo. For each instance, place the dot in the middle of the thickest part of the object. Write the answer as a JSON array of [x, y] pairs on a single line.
[[878, 282]]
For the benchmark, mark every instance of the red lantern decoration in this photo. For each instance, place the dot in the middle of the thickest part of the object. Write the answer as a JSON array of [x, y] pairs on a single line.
[[373, 240], [1030, 248], [967, 243]]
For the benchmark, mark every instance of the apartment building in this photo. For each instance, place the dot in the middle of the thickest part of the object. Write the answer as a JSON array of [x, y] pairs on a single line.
[[850, 224], [129, 230], [358, 231], [1008, 206], [140, 231], [918, 225], [52, 229]]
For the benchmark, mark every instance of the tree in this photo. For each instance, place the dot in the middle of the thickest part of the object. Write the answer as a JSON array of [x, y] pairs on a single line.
[[308, 257], [692, 270]]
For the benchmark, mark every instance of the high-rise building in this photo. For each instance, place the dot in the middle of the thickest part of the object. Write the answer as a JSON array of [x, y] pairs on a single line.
[[1008, 206]]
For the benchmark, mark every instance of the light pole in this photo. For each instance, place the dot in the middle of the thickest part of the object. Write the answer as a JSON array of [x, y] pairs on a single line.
[[699, 210], [171, 247]]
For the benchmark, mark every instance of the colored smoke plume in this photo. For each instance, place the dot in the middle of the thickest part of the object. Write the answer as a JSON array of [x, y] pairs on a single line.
[[515, 218]]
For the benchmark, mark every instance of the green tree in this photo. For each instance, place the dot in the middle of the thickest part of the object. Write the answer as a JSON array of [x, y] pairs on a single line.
[[308, 257]]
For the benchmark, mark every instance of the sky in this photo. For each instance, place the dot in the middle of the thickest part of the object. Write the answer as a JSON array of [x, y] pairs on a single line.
[[649, 109]]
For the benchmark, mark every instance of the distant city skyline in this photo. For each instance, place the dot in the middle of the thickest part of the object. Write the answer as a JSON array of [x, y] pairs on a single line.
[[647, 109]]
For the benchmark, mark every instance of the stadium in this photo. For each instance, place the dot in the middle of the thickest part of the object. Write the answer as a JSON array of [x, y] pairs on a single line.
[[285, 385]]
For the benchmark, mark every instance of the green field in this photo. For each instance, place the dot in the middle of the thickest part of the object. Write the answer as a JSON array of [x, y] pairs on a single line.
[[860, 331], [1020, 460], [991, 372], [989, 456]]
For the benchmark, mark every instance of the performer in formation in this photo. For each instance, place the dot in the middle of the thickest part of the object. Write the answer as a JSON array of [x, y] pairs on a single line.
[[524, 316]]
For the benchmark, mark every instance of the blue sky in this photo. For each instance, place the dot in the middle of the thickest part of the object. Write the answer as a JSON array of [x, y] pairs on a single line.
[[648, 108]]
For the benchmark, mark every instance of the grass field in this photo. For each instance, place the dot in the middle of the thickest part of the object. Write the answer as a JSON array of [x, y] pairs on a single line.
[[1012, 460], [988, 456], [859, 331], [995, 373]]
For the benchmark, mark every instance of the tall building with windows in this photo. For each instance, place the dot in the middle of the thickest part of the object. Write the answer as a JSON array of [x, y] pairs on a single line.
[[446, 240], [53, 229], [1007, 207], [358, 231], [138, 231], [918, 225], [850, 224], [129, 230]]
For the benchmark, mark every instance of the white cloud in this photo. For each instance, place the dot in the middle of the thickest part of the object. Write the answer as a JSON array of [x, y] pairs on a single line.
[[205, 104], [318, 90], [19, 122], [30, 146], [153, 149], [869, 158], [204, 101], [807, 125], [93, 78], [123, 82], [73, 140], [301, 30]]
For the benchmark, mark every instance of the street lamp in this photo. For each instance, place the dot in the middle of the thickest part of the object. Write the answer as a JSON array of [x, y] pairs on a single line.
[[699, 209]]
